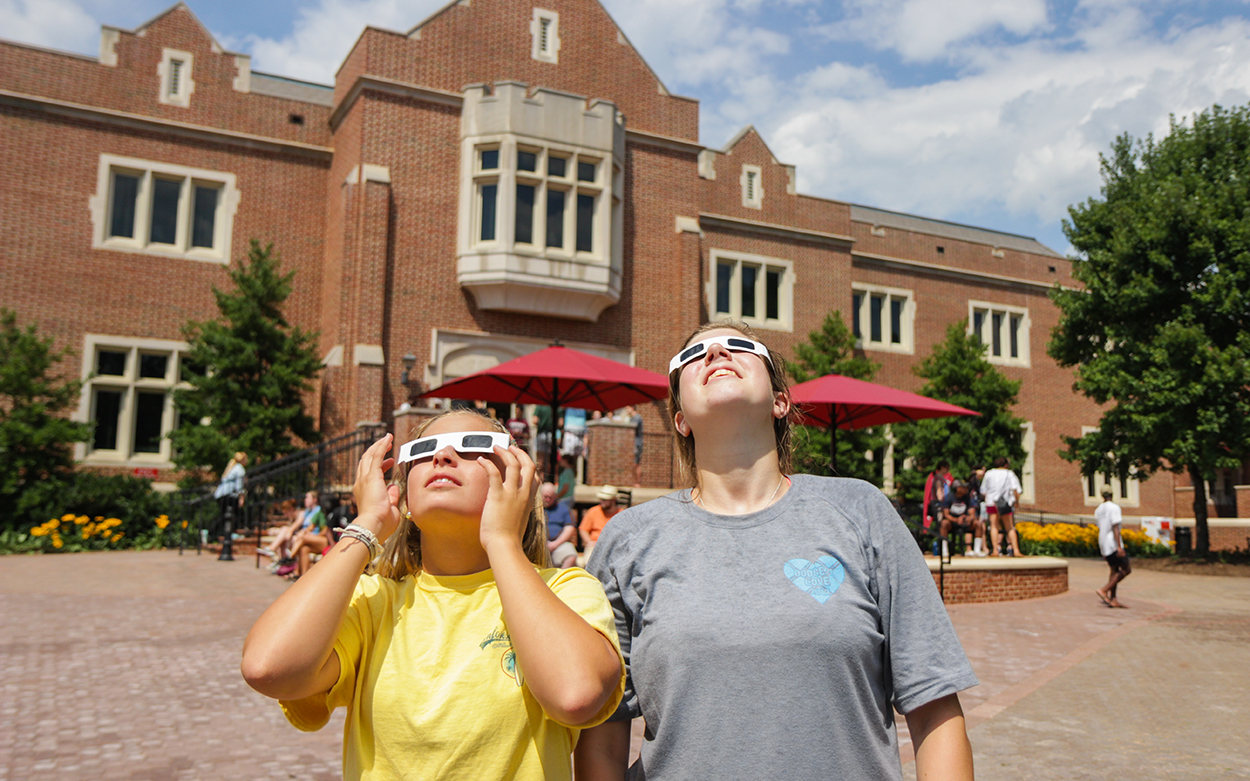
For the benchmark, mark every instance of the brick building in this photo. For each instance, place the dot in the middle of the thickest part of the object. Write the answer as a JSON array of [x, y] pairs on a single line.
[[500, 175]]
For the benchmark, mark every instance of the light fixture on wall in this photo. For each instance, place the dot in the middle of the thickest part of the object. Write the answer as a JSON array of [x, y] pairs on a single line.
[[405, 379]]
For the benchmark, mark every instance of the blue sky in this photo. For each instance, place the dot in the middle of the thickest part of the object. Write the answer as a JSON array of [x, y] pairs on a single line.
[[986, 112]]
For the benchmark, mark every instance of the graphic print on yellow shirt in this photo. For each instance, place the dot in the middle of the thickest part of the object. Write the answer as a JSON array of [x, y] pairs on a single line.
[[507, 661], [432, 687]]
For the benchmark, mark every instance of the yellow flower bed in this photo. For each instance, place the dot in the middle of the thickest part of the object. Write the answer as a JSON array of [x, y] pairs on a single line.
[[1070, 539]]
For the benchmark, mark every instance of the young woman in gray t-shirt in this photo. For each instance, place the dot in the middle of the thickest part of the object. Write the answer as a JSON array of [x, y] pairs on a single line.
[[771, 623]]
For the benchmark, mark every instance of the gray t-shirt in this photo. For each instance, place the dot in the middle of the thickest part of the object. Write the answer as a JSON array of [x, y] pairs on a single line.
[[773, 645]]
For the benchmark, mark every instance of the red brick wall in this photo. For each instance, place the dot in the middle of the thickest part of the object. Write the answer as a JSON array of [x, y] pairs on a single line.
[[1001, 585], [489, 40], [376, 263]]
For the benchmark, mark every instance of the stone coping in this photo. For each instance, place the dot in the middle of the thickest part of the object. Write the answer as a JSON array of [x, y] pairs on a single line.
[[999, 563], [1216, 523], [585, 494]]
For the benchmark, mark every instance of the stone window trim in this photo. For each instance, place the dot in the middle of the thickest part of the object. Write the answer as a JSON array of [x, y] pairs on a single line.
[[550, 153], [1126, 493], [752, 187], [764, 266], [1008, 343], [545, 36], [130, 384], [890, 326], [103, 203], [176, 84], [505, 177], [1028, 469]]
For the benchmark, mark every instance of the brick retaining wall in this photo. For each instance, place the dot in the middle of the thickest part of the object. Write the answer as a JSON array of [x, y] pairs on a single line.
[[963, 586]]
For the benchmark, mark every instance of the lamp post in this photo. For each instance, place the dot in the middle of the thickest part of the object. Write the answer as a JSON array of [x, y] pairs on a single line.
[[405, 379]]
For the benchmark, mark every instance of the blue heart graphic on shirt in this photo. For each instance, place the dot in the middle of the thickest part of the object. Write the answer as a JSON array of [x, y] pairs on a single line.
[[817, 579]]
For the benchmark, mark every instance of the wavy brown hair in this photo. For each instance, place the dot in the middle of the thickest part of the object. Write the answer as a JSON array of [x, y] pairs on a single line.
[[401, 556], [782, 427]]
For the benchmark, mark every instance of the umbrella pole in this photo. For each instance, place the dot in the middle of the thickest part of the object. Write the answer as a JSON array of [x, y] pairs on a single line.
[[555, 397], [833, 444]]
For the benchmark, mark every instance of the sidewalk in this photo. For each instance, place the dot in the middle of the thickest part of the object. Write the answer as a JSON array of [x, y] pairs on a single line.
[[125, 666]]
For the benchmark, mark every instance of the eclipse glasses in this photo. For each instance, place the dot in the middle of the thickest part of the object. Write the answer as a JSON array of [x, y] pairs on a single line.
[[736, 344], [462, 442]]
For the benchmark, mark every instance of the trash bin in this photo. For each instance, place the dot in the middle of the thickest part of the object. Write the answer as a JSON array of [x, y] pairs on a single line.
[[1184, 540]]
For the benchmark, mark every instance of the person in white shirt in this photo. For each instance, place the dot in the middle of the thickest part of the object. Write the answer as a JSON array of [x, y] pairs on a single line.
[[1001, 489], [1111, 546]]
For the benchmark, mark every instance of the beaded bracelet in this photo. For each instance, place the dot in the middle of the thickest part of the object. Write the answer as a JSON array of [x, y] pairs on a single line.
[[357, 532]]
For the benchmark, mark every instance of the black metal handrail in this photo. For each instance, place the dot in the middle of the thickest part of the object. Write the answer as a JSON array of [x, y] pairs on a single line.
[[325, 466]]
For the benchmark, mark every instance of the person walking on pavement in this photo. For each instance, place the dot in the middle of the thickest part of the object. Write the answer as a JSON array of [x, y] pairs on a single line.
[[772, 624], [1111, 546]]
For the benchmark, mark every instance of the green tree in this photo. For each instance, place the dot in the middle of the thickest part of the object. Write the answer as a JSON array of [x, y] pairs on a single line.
[[831, 350], [1161, 330], [248, 372], [36, 437], [958, 373]]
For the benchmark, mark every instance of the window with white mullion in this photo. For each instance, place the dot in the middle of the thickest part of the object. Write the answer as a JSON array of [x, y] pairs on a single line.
[[163, 209], [1003, 330], [751, 289], [882, 318], [128, 395]]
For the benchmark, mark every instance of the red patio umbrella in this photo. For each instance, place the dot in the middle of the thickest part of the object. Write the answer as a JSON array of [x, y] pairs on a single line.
[[558, 376], [844, 403]]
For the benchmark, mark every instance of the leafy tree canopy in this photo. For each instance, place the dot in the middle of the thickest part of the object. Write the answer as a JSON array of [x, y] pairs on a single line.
[[36, 437], [1161, 330], [958, 373], [831, 350], [248, 371]]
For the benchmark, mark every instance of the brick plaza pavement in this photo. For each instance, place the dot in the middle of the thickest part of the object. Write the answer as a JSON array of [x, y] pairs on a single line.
[[125, 666]]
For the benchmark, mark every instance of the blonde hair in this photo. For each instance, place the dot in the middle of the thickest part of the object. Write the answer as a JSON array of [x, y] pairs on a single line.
[[238, 458], [401, 556], [782, 427]]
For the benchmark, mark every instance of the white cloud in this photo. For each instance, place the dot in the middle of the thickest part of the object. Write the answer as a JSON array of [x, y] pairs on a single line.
[[57, 24], [1019, 133], [921, 30], [322, 35]]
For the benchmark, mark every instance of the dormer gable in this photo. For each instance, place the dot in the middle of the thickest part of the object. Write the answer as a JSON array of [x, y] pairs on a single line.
[[747, 162], [180, 54], [571, 46]]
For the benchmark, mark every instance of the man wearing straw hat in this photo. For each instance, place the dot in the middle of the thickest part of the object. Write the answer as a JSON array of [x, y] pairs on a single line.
[[597, 517]]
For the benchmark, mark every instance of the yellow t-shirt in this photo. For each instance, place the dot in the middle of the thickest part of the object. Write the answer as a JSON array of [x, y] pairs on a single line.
[[432, 687]]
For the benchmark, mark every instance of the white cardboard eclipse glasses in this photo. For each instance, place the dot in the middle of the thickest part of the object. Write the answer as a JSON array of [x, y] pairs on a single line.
[[737, 344], [462, 442]]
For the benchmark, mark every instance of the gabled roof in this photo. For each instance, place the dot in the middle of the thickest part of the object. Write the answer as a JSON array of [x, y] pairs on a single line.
[[743, 133], [216, 47]]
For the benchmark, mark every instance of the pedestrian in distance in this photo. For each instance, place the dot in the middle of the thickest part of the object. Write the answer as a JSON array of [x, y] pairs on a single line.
[[1001, 489], [772, 623], [466, 656], [1111, 546]]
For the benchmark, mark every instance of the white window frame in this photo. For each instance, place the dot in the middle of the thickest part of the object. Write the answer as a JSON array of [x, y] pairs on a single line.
[[1028, 470], [1131, 497], [907, 338], [129, 384], [785, 292], [1008, 312], [551, 53], [507, 176], [176, 93], [100, 206], [752, 187]]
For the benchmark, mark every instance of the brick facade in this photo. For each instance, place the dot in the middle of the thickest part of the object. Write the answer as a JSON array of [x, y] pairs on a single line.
[[359, 187]]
